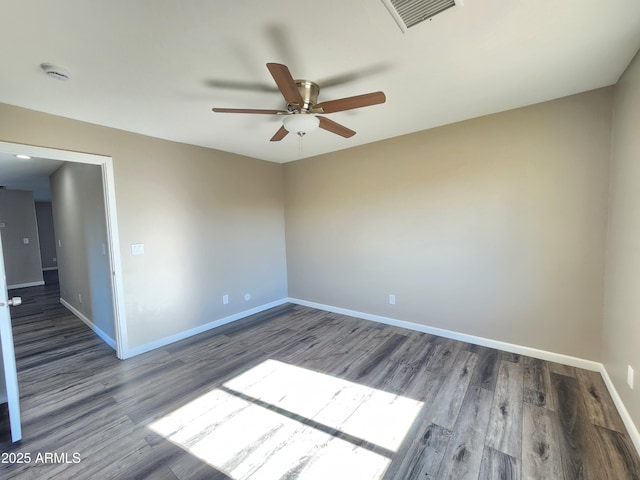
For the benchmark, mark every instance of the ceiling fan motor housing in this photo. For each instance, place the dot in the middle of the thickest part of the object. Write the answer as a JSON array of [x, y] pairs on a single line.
[[309, 92]]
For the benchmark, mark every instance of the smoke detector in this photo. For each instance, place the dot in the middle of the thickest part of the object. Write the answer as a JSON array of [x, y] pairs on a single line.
[[54, 71]]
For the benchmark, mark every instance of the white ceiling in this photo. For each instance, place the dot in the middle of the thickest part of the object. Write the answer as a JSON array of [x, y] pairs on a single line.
[[32, 174], [157, 67]]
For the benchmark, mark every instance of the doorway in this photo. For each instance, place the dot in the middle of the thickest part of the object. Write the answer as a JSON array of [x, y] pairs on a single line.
[[111, 248]]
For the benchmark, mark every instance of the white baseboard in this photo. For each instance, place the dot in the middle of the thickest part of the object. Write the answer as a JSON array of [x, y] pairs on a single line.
[[132, 352], [507, 347], [25, 285], [97, 330], [624, 413], [463, 337]]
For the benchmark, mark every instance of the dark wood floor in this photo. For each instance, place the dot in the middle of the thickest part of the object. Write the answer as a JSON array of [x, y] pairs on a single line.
[[300, 393]]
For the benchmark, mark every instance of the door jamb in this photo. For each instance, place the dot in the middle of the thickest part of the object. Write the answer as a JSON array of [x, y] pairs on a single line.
[[113, 238]]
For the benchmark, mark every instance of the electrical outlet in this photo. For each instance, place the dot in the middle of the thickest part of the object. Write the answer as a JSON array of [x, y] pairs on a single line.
[[392, 299], [630, 376], [225, 299]]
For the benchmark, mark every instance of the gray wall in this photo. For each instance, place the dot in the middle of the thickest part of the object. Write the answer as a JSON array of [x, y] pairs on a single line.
[[212, 222], [493, 227], [81, 238], [46, 235], [621, 333], [22, 261]]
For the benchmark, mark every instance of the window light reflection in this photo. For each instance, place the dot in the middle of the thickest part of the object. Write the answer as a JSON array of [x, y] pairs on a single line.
[[277, 419]]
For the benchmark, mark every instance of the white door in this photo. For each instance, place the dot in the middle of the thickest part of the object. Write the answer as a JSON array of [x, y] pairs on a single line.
[[9, 390]]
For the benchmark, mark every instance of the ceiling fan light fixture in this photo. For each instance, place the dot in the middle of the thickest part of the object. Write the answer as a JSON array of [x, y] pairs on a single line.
[[301, 124]]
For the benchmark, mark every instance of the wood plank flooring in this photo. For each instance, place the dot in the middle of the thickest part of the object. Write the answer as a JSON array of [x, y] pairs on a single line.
[[295, 392]]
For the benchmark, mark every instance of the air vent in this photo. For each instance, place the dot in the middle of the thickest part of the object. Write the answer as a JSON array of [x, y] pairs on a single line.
[[409, 13]]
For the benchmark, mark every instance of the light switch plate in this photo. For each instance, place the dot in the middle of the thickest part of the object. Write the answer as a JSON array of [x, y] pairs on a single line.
[[137, 249]]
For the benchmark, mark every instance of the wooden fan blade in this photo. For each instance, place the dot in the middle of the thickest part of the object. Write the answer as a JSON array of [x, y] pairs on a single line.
[[336, 128], [285, 82], [280, 134], [350, 103], [249, 110]]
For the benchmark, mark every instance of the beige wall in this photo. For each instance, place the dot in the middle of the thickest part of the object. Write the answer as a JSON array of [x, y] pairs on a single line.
[[212, 222], [22, 261], [621, 333], [81, 237], [493, 227]]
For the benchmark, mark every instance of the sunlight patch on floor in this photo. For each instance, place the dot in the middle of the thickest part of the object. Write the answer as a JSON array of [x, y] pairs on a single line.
[[278, 419]]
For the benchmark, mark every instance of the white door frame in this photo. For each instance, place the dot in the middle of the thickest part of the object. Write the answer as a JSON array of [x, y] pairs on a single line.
[[10, 372], [113, 238]]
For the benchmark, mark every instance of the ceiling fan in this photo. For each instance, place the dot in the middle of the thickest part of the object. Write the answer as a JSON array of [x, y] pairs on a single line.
[[302, 106]]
